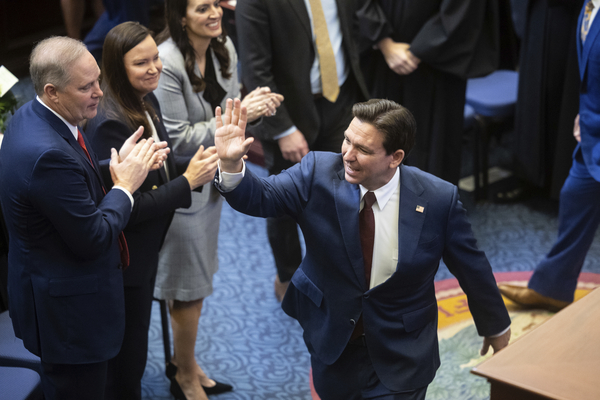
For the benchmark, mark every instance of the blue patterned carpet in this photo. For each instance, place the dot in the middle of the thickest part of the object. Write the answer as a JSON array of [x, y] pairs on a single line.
[[245, 339]]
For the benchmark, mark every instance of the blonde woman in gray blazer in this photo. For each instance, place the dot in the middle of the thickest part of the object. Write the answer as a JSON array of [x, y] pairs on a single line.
[[199, 74]]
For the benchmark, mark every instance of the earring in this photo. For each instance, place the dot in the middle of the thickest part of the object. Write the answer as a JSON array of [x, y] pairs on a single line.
[[183, 28]]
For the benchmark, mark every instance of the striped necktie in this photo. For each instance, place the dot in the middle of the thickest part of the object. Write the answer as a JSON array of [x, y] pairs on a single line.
[[585, 24]]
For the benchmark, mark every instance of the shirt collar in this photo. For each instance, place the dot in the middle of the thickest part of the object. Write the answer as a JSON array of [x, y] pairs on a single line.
[[71, 127], [384, 193]]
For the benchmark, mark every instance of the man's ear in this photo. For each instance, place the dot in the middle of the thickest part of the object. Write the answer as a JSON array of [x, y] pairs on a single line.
[[51, 92], [397, 158]]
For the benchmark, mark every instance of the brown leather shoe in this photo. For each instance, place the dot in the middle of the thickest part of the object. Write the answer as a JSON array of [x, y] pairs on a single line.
[[280, 288], [529, 298]]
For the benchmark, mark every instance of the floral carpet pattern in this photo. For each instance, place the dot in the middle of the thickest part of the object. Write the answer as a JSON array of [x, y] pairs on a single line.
[[245, 339]]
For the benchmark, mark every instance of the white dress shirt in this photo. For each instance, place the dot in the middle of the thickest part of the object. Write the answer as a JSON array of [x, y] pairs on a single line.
[[386, 213], [594, 11]]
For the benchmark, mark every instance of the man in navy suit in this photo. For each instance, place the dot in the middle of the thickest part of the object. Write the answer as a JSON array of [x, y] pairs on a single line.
[[371, 333], [65, 281], [553, 283]]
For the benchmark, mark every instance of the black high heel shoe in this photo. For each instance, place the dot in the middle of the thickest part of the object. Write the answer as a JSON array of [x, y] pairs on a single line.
[[171, 370], [176, 390]]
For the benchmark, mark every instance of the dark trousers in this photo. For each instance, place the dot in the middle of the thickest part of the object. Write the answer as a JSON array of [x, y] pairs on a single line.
[[352, 377], [578, 219], [125, 371], [335, 119], [74, 381]]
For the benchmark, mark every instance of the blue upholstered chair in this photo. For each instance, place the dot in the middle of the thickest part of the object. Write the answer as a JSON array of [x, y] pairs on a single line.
[[12, 351], [20, 384], [492, 98]]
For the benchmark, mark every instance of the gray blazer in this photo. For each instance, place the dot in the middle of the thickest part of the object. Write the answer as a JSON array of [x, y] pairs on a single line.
[[189, 119]]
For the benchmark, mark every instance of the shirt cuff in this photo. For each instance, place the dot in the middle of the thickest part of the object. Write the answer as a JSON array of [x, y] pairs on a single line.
[[229, 181], [287, 132], [127, 193], [501, 333]]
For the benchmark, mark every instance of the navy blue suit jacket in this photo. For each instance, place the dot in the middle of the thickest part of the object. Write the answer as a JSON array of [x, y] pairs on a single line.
[[327, 294], [588, 54], [64, 282]]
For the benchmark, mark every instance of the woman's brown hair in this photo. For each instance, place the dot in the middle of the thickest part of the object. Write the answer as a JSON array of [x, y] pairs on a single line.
[[120, 100], [175, 10]]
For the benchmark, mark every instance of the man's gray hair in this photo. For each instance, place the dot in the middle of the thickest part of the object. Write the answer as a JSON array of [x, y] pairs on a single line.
[[51, 61]]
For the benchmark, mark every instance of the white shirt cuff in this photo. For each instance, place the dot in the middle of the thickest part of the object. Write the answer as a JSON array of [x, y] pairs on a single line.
[[287, 132], [127, 193], [229, 181], [501, 333]]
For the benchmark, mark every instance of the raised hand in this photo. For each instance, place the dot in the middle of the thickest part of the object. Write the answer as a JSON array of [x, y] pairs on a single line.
[[230, 136]]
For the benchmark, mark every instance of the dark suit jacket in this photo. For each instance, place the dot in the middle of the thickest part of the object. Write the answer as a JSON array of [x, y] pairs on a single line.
[[155, 201], [327, 295], [64, 283], [276, 50], [589, 98]]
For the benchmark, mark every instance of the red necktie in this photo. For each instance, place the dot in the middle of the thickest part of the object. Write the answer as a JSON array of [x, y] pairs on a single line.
[[366, 224], [124, 250], [366, 221]]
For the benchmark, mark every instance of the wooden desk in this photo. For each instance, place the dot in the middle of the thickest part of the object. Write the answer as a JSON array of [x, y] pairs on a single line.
[[558, 360]]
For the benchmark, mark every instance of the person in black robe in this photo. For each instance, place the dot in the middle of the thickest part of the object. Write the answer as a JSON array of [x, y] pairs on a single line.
[[548, 98], [444, 42]]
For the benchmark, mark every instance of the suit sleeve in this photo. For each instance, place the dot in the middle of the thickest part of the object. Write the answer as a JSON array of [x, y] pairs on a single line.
[[148, 203], [256, 56], [474, 273], [461, 39], [59, 188], [373, 24], [286, 193]]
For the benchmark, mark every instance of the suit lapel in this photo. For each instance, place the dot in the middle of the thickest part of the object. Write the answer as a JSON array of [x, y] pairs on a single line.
[[411, 220], [169, 163], [62, 129], [347, 206], [163, 136], [299, 8]]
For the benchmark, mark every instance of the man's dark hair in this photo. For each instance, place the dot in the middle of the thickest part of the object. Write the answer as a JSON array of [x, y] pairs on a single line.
[[396, 123]]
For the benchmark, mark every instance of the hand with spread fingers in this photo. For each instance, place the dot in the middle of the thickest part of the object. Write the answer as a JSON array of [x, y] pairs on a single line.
[[230, 139], [261, 102]]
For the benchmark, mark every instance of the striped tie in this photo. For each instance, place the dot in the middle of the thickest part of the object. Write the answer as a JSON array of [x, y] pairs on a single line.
[[585, 24]]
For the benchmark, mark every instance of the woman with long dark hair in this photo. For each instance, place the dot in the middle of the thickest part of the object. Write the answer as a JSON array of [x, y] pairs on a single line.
[[131, 69], [199, 74]]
